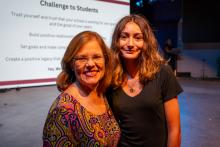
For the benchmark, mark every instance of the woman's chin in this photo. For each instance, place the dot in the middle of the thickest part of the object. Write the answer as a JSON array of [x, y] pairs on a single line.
[[130, 56], [90, 83]]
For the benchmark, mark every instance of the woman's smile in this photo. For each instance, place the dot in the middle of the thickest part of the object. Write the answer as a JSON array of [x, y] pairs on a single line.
[[91, 73]]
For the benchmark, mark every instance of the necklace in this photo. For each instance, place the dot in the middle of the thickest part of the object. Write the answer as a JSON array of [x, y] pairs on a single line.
[[131, 90], [133, 85]]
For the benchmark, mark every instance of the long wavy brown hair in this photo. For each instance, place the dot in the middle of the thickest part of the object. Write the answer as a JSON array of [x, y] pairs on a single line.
[[67, 75], [149, 60]]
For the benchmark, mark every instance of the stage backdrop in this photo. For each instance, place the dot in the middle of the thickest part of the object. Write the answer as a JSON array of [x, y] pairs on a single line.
[[35, 34]]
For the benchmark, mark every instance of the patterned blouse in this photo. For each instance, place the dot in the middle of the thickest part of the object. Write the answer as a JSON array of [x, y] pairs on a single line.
[[69, 124]]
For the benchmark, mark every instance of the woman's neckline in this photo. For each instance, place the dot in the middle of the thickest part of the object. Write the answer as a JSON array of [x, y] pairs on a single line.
[[85, 108], [88, 111], [131, 96]]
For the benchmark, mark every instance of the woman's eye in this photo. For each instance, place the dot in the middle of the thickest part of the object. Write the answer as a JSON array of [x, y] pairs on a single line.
[[123, 37], [97, 57], [82, 59], [139, 38]]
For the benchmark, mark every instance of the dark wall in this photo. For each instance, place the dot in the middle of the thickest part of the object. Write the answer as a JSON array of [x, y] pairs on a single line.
[[145, 9], [163, 16], [167, 10], [201, 21]]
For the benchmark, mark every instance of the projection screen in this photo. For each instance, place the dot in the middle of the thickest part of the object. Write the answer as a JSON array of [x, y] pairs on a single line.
[[35, 34]]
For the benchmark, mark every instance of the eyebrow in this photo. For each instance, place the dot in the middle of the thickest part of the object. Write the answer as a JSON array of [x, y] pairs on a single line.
[[85, 55], [134, 33]]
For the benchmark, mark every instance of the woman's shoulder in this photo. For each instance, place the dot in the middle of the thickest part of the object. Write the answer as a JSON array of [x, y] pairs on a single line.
[[164, 72], [64, 101], [165, 68]]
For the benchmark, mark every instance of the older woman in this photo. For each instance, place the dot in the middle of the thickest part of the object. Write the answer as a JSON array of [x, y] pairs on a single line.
[[80, 116]]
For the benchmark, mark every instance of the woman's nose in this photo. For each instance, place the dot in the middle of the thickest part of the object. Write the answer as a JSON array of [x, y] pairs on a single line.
[[90, 62], [130, 42]]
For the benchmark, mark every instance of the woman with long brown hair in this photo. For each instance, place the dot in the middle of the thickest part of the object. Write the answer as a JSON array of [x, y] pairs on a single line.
[[144, 94]]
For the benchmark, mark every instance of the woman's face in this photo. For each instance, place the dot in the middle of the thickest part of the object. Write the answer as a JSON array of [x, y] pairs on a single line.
[[89, 64], [131, 41]]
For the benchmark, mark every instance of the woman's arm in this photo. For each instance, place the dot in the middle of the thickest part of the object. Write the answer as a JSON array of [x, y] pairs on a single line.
[[57, 129], [172, 114]]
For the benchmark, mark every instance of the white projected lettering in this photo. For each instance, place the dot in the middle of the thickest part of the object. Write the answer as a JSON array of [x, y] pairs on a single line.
[[53, 4], [35, 34]]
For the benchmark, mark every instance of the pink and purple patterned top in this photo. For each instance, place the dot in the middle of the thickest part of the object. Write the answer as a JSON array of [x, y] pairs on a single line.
[[69, 124]]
